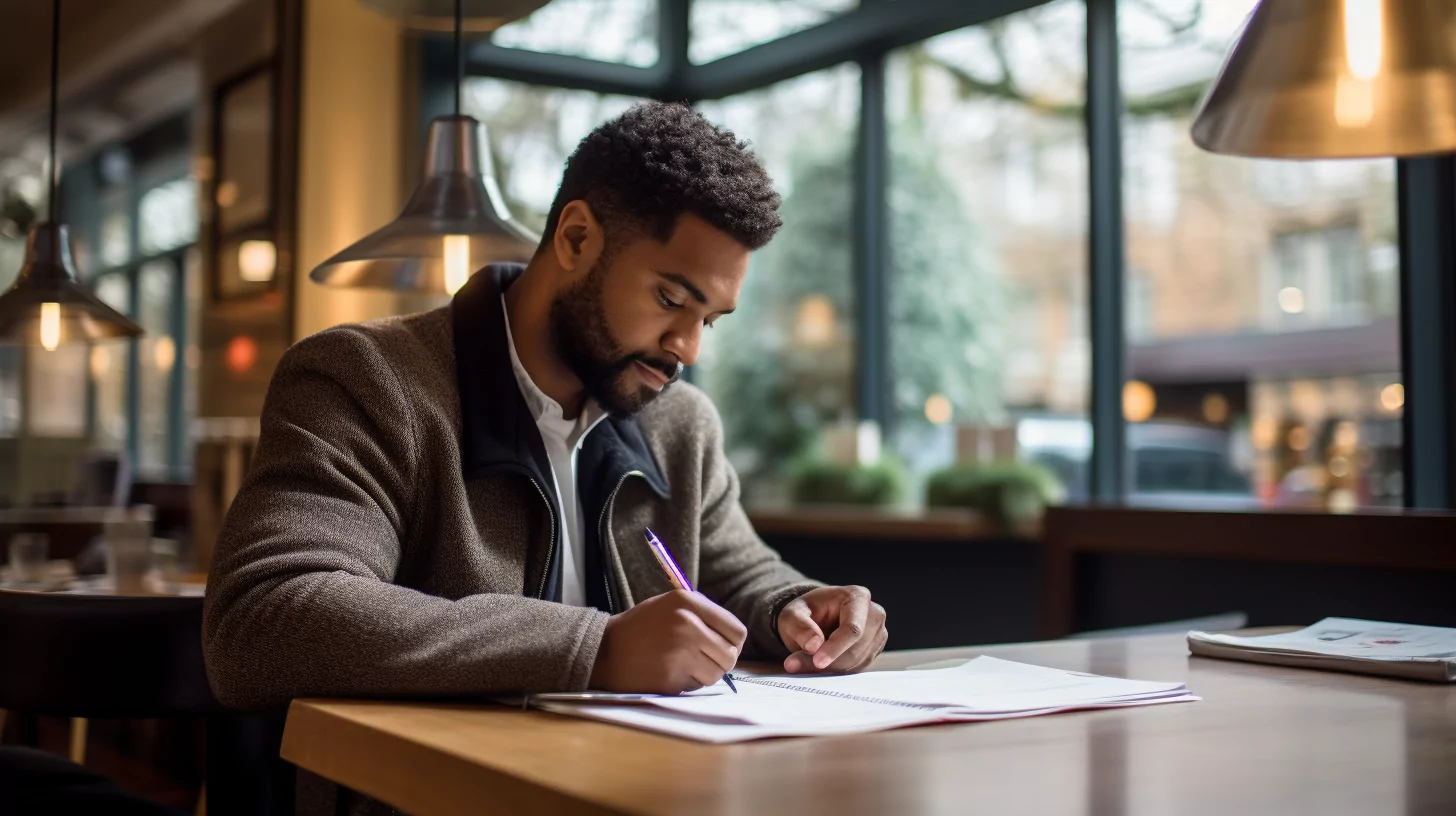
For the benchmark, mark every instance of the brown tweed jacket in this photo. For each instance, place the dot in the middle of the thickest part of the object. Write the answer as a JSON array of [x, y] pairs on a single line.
[[396, 536]]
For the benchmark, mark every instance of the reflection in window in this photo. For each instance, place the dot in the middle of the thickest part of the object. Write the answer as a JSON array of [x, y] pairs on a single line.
[[623, 31], [723, 27], [167, 216], [531, 131], [1273, 342], [782, 370], [988, 234]]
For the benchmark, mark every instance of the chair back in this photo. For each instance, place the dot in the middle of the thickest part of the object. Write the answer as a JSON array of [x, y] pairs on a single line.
[[100, 656]]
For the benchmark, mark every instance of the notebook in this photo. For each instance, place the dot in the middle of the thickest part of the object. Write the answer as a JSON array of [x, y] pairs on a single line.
[[1345, 644], [985, 688]]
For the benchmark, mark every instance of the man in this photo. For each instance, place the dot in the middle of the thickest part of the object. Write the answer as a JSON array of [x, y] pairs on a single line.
[[453, 503]]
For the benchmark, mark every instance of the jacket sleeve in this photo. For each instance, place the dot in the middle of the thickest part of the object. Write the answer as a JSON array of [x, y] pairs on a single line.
[[300, 600], [735, 567]]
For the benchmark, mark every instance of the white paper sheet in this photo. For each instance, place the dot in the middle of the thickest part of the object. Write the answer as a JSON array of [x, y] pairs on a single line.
[[981, 689]]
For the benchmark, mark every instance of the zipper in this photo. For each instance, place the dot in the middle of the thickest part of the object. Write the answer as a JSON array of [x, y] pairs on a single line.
[[602, 535], [520, 470], [551, 544]]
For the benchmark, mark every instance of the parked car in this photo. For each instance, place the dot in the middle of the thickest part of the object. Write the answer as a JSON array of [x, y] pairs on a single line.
[[1169, 464]]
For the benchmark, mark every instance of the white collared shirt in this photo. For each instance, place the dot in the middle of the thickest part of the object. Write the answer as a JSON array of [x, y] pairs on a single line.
[[563, 439]]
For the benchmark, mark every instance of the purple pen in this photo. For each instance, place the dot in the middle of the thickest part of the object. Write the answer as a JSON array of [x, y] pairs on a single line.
[[675, 576]]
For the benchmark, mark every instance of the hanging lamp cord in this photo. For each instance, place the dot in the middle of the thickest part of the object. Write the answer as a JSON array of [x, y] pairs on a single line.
[[459, 53], [55, 85]]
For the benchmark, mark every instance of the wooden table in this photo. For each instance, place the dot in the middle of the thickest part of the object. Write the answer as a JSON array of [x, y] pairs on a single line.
[[1265, 740]]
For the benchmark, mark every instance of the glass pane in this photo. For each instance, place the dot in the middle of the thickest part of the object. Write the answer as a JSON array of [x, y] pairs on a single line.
[[531, 131], [157, 355], [191, 356], [12, 256], [108, 368], [244, 191], [1263, 336], [988, 215], [723, 27], [782, 370], [10, 396], [622, 31], [167, 216], [115, 230], [56, 402]]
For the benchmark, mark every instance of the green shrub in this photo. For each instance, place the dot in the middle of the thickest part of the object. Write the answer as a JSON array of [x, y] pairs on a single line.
[[1008, 493], [817, 481]]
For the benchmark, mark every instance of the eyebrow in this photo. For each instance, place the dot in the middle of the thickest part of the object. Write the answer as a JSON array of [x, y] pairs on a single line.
[[681, 280]]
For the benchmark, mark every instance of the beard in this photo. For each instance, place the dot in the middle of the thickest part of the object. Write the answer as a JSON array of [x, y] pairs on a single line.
[[582, 339]]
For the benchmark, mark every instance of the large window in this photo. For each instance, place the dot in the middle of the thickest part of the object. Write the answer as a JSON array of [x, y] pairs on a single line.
[[1261, 323], [724, 27], [1263, 335], [782, 371], [988, 233], [622, 31], [531, 131]]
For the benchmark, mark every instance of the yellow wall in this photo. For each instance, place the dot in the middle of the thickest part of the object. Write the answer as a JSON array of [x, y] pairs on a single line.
[[354, 119]]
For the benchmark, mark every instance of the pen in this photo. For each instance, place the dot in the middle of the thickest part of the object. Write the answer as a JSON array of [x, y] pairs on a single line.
[[675, 576]]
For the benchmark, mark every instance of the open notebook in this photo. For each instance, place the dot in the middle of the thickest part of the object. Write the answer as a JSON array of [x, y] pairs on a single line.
[[985, 688]]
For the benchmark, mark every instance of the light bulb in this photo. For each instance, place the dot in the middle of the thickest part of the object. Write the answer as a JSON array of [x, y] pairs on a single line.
[[1364, 33], [50, 325], [457, 262]]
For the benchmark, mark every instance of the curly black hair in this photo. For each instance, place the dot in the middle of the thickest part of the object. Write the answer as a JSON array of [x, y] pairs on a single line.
[[658, 161]]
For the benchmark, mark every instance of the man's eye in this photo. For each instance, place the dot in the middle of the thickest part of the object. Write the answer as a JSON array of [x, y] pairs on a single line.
[[667, 302]]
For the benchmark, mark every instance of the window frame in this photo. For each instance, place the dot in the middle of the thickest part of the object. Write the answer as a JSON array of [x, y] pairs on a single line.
[[1426, 189]]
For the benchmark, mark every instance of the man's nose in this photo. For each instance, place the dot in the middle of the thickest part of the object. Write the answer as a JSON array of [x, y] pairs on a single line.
[[683, 343]]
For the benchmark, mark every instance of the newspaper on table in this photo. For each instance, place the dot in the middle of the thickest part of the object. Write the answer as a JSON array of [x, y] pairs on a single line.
[[1345, 644]]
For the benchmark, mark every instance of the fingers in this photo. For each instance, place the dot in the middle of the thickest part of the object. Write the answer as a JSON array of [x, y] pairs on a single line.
[[710, 644], [858, 657], [716, 617], [854, 612], [797, 628], [864, 653]]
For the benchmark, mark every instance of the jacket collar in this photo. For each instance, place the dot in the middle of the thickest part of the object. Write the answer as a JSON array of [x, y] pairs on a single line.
[[497, 428]]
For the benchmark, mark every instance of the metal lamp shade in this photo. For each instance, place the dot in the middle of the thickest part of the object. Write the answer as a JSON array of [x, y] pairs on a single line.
[[458, 207], [49, 277], [1337, 79]]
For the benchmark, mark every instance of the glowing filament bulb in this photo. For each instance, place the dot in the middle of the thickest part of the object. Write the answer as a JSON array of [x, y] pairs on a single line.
[[1364, 33], [457, 262], [50, 326]]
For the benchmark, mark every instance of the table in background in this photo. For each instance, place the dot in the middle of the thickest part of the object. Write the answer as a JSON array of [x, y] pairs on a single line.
[[1265, 740]]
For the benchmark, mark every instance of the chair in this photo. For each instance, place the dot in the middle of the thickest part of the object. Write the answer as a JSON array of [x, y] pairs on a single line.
[[136, 658], [103, 479]]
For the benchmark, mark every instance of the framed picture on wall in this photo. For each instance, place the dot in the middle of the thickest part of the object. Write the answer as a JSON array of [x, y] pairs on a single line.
[[244, 198]]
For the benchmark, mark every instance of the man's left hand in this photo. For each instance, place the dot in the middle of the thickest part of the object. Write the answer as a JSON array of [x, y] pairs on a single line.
[[836, 629]]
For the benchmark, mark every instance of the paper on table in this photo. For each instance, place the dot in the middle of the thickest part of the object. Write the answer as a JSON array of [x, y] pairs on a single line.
[[1351, 637], [982, 689]]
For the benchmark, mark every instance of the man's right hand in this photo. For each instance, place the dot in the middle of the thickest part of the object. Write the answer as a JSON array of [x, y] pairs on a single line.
[[675, 642]]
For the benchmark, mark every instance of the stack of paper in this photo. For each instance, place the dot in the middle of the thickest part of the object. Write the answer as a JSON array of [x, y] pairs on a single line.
[[794, 706], [1345, 644]]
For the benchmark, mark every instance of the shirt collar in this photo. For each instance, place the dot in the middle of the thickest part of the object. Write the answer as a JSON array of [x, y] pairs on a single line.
[[544, 408]]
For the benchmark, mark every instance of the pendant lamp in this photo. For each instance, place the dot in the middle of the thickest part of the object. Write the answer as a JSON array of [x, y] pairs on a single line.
[[1337, 79], [455, 223], [47, 305]]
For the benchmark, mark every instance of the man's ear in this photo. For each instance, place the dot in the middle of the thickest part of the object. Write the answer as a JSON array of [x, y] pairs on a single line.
[[579, 238]]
